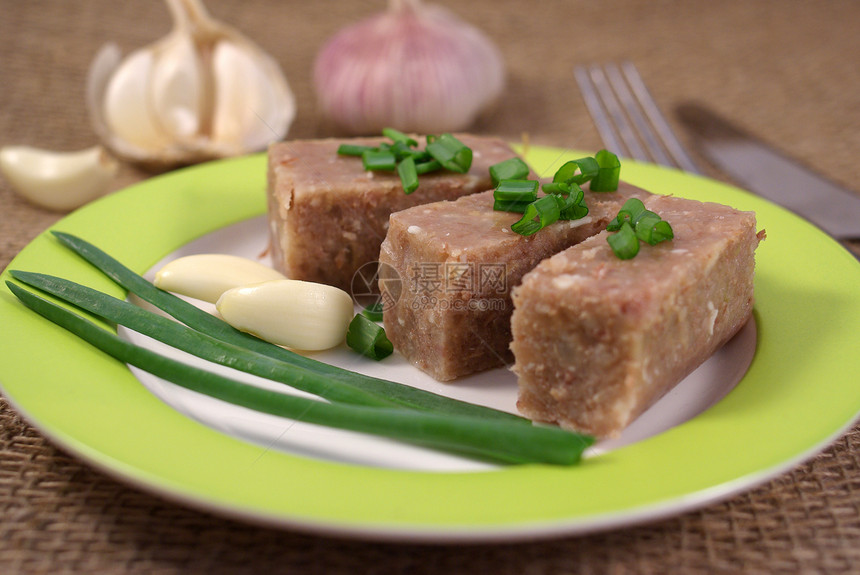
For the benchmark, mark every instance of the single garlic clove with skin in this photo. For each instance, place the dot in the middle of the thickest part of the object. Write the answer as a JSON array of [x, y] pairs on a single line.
[[202, 92], [104, 65], [297, 314], [241, 89], [207, 276], [59, 181], [177, 89], [415, 67], [127, 109]]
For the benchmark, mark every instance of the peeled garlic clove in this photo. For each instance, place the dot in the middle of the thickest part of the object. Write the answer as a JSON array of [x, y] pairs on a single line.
[[293, 313], [58, 181], [207, 276], [415, 67], [204, 91]]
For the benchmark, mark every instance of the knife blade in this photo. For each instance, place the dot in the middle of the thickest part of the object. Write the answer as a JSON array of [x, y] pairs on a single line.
[[759, 168]]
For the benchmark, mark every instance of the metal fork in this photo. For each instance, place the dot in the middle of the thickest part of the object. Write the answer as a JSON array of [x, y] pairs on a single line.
[[627, 118]]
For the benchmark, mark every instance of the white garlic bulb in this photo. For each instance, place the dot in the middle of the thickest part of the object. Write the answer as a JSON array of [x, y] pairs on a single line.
[[59, 181], [415, 67], [204, 91]]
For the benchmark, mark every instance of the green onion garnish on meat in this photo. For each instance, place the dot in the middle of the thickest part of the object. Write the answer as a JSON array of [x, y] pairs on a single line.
[[518, 207], [624, 243], [538, 215], [633, 223], [352, 149], [403, 156], [651, 229], [629, 212], [379, 160], [516, 191], [427, 166], [510, 169], [408, 175], [564, 199], [577, 171], [451, 153], [398, 136], [571, 202], [608, 174], [556, 188]]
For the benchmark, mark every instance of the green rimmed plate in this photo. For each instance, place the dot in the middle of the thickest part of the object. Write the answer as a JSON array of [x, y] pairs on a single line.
[[798, 394]]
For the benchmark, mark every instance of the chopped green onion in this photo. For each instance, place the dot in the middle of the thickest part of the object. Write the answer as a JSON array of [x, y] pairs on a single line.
[[400, 150], [397, 136], [516, 190], [661, 232], [379, 160], [629, 212], [635, 222], [451, 153], [510, 169], [537, 216], [408, 175], [571, 205], [504, 206], [420, 156], [502, 441], [373, 311], [352, 149], [574, 210], [570, 198], [443, 151], [368, 338], [565, 199], [200, 320], [624, 242], [427, 167], [577, 171], [651, 229], [608, 174], [556, 188]]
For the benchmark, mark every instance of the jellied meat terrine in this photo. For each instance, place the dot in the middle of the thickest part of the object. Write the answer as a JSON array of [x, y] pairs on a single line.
[[597, 339], [452, 266], [328, 216]]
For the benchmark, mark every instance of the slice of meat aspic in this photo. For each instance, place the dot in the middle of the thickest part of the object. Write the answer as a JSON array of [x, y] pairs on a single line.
[[454, 264], [597, 339], [328, 215]]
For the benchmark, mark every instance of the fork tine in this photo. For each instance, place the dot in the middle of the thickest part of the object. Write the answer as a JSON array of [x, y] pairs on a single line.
[[635, 114], [622, 109], [673, 145], [595, 107], [605, 97]]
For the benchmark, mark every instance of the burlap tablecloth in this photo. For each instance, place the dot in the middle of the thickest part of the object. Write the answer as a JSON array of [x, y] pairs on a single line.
[[787, 71]]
